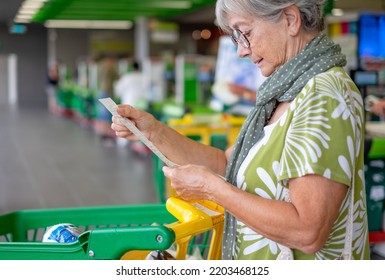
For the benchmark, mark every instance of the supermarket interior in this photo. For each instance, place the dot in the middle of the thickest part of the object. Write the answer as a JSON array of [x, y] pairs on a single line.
[[55, 153]]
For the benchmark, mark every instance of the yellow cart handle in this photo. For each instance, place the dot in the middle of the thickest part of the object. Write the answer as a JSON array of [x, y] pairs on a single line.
[[196, 217]]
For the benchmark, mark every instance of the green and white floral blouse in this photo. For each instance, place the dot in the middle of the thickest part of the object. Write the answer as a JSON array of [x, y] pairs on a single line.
[[318, 134]]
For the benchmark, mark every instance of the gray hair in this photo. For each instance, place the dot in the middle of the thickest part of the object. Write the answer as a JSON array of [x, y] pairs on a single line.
[[311, 11]]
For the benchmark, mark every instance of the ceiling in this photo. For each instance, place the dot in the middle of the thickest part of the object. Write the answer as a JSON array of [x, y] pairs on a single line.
[[116, 9], [9, 9], [201, 11], [188, 11]]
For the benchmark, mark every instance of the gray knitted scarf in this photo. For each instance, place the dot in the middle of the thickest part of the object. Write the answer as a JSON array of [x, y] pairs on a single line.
[[318, 56]]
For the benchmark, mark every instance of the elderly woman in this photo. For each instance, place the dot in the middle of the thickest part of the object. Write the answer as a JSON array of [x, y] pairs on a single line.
[[299, 155]]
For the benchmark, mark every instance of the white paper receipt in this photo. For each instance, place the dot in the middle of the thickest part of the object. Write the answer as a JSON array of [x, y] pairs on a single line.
[[111, 106]]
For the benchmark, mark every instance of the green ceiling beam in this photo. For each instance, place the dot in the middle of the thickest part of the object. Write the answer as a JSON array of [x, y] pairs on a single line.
[[116, 9]]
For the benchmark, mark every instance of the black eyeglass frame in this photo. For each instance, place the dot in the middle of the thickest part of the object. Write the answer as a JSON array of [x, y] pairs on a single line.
[[239, 38]]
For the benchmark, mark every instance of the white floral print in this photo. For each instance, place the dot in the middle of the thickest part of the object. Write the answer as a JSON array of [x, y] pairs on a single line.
[[320, 133]]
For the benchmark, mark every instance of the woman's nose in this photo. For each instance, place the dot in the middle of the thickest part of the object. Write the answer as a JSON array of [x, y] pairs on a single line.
[[242, 51]]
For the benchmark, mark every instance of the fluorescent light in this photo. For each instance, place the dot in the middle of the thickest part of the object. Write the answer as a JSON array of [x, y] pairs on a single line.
[[28, 9], [27, 12], [36, 1], [89, 24], [32, 5], [22, 18]]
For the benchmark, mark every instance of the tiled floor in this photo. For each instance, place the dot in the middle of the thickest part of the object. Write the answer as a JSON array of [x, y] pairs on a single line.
[[47, 161]]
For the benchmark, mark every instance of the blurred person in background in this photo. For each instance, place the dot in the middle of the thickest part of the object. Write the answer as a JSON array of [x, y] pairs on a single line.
[[243, 92], [299, 155], [107, 76], [52, 86], [377, 107], [130, 88]]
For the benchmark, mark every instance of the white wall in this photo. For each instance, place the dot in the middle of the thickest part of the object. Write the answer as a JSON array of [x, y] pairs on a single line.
[[3, 80], [8, 79]]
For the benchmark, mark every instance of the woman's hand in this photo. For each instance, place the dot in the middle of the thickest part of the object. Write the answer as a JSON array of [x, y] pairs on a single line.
[[144, 121], [192, 181], [378, 108]]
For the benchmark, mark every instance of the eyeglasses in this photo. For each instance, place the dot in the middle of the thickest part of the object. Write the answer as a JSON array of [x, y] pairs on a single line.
[[239, 38]]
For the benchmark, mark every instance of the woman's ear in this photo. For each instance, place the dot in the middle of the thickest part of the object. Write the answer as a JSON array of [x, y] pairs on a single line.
[[293, 19]]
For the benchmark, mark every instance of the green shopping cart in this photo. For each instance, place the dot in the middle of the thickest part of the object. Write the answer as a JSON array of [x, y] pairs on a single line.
[[116, 232]]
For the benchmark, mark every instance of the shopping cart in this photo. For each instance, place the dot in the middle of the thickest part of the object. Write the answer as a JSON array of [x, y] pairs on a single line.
[[116, 232]]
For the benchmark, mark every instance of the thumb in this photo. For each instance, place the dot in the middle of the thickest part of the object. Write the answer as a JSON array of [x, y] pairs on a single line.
[[167, 171], [126, 111]]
